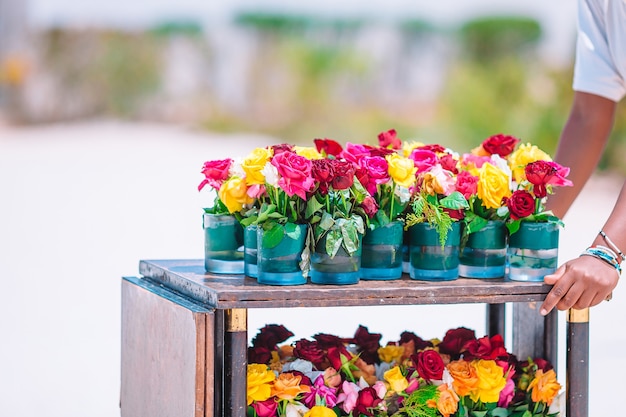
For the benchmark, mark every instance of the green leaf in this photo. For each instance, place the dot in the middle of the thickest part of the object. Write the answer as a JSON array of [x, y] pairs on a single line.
[[474, 223], [312, 206], [454, 201], [350, 237], [499, 412], [327, 221], [513, 226], [293, 231], [333, 242], [272, 236]]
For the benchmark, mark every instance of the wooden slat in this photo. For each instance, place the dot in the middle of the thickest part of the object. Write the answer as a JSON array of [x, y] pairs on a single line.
[[236, 291], [167, 353]]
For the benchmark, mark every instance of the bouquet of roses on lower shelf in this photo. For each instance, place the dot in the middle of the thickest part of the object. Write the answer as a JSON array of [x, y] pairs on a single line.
[[331, 376]]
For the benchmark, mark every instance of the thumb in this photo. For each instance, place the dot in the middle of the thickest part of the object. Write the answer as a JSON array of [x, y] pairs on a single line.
[[554, 277]]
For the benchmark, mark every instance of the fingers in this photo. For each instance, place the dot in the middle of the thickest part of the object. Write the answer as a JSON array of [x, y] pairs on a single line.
[[558, 291], [552, 278]]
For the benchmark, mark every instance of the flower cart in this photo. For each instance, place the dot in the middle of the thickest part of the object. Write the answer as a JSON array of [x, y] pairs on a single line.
[[184, 332]]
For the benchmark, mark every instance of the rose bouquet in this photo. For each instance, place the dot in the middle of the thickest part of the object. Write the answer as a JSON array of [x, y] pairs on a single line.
[[230, 188], [460, 376]]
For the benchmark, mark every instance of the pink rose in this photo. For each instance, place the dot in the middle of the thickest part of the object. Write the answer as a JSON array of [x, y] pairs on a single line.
[[354, 153], [374, 170], [294, 172], [424, 160], [507, 394], [215, 173], [466, 184], [265, 408]]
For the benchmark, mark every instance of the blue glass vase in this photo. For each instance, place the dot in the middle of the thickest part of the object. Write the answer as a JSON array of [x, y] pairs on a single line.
[[250, 267], [341, 269], [484, 253], [280, 264], [381, 257], [223, 244], [429, 260], [533, 251]]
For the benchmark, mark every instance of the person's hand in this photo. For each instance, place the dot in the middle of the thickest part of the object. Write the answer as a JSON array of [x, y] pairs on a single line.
[[580, 283]]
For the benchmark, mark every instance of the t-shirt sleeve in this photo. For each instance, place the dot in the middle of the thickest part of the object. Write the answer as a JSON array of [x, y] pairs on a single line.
[[594, 69]]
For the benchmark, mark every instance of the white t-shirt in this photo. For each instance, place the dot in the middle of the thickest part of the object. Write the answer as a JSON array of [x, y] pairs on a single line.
[[601, 48]]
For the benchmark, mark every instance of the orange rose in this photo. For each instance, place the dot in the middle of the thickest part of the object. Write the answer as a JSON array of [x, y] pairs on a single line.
[[448, 401], [544, 387], [464, 377], [287, 386]]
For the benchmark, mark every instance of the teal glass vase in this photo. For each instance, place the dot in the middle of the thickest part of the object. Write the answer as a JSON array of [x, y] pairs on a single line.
[[341, 269], [484, 253], [429, 260], [250, 267], [223, 244], [381, 257], [533, 251], [280, 263]]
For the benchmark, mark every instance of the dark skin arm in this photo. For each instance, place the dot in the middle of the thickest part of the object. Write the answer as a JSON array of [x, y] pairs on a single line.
[[586, 281]]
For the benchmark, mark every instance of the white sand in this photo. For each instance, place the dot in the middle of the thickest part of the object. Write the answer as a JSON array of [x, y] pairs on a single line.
[[82, 204]]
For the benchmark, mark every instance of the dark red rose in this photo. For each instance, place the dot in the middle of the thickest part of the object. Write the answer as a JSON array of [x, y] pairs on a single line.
[[521, 204], [543, 364], [389, 139], [259, 354], [215, 173], [282, 147], [466, 184], [270, 336], [344, 174], [455, 214], [323, 172], [420, 344], [370, 206], [366, 401], [500, 144], [327, 146], [448, 163], [378, 151], [432, 147], [486, 348], [305, 380], [540, 173], [338, 355], [310, 351], [454, 341], [368, 344], [326, 341], [429, 364], [265, 408]]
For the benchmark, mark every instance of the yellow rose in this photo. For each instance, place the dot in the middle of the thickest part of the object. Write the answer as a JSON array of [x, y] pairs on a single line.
[[308, 152], [523, 156], [491, 381], [544, 387], [233, 193], [259, 382], [254, 163], [397, 382], [408, 147], [320, 411], [493, 185], [401, 170], [390, 353]]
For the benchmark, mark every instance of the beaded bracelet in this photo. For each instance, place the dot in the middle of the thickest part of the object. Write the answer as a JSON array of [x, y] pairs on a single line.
[[612, 245], [605, 256]]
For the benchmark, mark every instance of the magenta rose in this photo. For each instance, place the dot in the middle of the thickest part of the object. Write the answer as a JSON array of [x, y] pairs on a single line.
[[327, 147], [521, 204], [376, 170], [215, 173], [423, 159], [344, 174], [323, 172], [265, 408], [466, 184], [507, 394], [429, 364], [389, 139], [366, 401], [319, 390], [294, 173], [454, 341], [559, 177], [500, 144], [354, 153]]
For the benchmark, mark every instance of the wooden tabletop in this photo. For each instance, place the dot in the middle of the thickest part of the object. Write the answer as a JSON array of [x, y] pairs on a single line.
[[189, 278]]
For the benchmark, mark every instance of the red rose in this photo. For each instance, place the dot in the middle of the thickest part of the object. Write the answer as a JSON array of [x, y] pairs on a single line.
[[454, 341], [338, 355], [280, 148], [271, 335], [366, 401], [327, 146], [265, 408], [432, 147], [429, 364], [380, 151], [323, 172], [215, 173], [486, 348], [500, 144], [344, 174], [259, 354], [368, 344], [521, 204], [540, 173], [448, 163], [389, 139], [326, 341], [309, 351], [370, 206]]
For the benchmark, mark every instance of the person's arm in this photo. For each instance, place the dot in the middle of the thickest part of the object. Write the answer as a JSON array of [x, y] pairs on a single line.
[[580, 147], [587, 281]]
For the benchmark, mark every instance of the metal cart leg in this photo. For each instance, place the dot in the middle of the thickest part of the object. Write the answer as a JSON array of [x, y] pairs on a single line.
[[235, 362], [577, 376]]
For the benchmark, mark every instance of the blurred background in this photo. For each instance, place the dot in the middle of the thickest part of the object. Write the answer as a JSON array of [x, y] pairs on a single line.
[[108, 110]]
